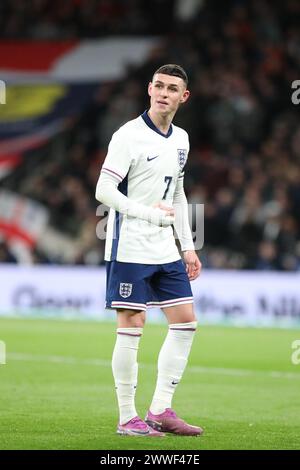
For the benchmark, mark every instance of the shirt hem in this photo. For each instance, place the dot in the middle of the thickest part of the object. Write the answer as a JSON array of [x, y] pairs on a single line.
[[140, 260]]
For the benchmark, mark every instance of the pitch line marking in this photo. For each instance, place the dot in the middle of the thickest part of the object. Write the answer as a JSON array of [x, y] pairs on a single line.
[[194, 369]]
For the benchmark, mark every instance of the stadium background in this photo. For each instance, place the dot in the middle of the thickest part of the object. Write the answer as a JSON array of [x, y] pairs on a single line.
[[74, 72]]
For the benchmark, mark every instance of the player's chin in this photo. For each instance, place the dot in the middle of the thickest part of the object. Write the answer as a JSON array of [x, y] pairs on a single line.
[[163, 108]]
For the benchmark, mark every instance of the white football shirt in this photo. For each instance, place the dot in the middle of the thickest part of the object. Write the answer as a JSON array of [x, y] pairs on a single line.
[[148, 165]]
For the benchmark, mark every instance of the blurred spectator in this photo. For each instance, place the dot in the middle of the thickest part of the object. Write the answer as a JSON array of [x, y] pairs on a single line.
[[6, 256], [267, 259]]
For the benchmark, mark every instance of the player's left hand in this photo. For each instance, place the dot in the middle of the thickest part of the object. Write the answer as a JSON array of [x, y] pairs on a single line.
[[193, 264]]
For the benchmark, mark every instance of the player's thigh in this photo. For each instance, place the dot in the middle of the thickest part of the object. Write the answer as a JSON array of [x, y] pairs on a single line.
[[128, 286], [174, 294], [180, 313], [130, 318]]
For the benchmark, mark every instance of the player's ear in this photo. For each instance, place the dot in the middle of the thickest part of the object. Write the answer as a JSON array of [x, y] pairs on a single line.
[[185, 96], [149, 88]]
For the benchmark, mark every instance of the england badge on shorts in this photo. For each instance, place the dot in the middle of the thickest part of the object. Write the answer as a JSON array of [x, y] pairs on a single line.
[[182, 157], [125, 289]]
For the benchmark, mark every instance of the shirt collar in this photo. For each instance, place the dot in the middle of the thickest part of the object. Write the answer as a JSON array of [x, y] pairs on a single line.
[[152, 126]]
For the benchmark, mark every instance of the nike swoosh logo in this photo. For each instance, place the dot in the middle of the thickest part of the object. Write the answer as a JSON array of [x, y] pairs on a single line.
[[141, 433], [151, 158], [174, 383]]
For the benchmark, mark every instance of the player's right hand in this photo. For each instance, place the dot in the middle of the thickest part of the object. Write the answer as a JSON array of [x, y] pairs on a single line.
[[169, 210], [161, 217], [167, 220]]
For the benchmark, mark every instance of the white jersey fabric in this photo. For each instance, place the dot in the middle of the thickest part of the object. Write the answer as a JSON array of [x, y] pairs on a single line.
[[146, 166]]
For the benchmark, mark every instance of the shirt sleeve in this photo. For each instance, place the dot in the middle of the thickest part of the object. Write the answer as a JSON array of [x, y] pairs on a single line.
[[118, 158], [182, 225], [107, 188]]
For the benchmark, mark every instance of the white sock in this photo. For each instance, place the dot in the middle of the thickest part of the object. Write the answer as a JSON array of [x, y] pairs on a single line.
[[172, 360], [125, 370]]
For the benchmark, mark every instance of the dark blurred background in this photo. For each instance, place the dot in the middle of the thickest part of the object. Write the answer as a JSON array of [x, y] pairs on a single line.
[[244, 163]]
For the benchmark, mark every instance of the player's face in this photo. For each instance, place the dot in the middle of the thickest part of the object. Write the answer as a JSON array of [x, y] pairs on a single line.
[[167, 93]]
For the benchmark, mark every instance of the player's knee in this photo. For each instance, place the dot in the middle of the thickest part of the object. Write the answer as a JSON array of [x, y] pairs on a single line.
[[131, 318], [180, 314], [193, 318], [183, 319], [137, 321]]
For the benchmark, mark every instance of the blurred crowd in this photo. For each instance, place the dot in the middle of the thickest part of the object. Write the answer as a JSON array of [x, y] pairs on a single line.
[[244, 163], [71, 19]]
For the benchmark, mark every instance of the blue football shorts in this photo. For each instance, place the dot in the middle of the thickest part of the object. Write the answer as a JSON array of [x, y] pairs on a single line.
[[138, 286]]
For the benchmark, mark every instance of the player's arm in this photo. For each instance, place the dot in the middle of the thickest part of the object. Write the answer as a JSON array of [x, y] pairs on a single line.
[[107, 192], [114, 169], [183, 230]]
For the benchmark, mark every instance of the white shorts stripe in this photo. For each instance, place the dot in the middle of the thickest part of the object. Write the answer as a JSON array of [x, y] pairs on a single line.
[[130, 305], [171, 302]]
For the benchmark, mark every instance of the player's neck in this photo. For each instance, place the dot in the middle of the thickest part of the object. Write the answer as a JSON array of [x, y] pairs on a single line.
[[161, 122]]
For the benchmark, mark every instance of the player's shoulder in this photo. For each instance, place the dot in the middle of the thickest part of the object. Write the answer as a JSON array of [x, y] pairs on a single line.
[[180, 132], [128, 129]]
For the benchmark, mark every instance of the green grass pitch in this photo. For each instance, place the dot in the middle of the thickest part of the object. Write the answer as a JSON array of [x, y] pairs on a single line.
[[57, 390]]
